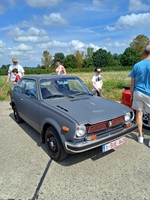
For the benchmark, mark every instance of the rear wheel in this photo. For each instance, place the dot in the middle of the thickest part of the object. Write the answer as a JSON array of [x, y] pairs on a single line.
[[55, 147], [18, 119]]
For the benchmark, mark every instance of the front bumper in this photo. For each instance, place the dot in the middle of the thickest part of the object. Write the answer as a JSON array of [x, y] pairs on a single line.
[[91, 144]]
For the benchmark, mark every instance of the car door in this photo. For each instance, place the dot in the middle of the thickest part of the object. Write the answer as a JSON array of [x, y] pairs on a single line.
[[29, 103]]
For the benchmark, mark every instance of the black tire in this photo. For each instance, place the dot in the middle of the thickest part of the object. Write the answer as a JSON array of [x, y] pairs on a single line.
[[55, 147], [18, 119]]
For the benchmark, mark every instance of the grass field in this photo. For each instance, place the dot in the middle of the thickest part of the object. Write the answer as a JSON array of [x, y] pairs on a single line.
[[112, 87]]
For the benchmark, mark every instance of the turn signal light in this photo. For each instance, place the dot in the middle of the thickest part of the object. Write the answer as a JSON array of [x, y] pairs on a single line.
[[91, 137], [65, 128], [128, 125]]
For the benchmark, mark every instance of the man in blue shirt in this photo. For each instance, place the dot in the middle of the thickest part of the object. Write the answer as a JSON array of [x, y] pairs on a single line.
[[140, 89]]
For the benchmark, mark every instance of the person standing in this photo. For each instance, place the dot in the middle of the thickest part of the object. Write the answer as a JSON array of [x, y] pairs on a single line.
[[59, 68], [140, 89], [15, 72], [11, 77], [97, 83]]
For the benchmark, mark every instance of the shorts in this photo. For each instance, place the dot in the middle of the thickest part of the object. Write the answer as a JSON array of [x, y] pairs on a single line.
[[141, 102], [96, 93]]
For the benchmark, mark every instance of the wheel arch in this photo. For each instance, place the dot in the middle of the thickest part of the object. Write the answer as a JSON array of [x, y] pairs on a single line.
[[45, 127]]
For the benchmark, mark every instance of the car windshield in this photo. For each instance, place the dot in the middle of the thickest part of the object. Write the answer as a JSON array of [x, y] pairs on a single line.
[[63, 87]]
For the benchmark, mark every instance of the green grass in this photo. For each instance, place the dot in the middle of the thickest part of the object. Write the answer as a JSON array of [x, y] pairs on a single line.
[[112, 83], [5, 89], [112, 87]]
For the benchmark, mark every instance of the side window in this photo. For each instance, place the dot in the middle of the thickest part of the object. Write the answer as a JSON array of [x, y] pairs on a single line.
[[30, 88], [19, 87]]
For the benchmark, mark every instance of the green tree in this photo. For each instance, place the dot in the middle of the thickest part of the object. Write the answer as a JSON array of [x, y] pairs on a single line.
[[88, 61], [139, 43], [79, 59], [117, 59], [70, 61], [129, 57], [59, 56], [100, 58], [90, 51], [39, 67], [111, 61], [47, 59], [5, 67]]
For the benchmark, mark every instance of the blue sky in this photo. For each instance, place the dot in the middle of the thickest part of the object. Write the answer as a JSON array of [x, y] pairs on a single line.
[[29, 27]]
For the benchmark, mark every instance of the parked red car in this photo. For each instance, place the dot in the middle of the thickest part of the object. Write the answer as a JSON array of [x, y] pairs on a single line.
[[126, 96]]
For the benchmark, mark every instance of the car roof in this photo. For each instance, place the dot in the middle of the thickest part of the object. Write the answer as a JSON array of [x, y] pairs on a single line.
[[47, 76]]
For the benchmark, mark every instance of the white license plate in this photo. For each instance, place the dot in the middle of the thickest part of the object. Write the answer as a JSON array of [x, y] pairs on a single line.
[[113, 144]]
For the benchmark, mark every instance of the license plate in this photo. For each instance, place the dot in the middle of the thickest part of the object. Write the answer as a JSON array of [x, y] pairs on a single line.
[[113, 144]]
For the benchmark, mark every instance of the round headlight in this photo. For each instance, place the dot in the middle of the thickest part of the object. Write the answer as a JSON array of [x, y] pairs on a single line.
[[127, 117], [81, 130]]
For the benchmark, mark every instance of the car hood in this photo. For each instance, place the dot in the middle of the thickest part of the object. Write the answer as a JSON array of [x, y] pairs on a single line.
[[89, 109]]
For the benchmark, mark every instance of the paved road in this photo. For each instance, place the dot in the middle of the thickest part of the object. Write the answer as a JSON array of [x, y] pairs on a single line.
[[27, 172]]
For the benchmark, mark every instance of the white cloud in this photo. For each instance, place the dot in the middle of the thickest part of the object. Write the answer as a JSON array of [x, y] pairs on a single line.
[[137, 5], [67, 47], [43, 3], [108, 42], [22, 47], [77, 45], [52, 44], [54, 19], [131, 21], [95, 47], [32, 35], [32, 39]]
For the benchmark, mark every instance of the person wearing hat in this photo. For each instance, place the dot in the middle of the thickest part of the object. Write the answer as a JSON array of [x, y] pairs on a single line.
[[97, 83], [10, 75], [140, 90], [59, 68]]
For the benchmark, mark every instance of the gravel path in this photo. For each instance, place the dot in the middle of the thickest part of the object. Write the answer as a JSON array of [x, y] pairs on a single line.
[[27, 172]]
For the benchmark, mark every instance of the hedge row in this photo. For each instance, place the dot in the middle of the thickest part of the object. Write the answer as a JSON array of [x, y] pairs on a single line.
[[69, 70]]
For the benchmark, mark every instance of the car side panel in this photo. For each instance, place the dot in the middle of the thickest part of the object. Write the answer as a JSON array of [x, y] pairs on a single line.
[[49, 115], [29, 110]]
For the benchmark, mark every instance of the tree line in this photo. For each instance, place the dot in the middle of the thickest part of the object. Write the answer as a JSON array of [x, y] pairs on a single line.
[[91, 59], [100, 58]]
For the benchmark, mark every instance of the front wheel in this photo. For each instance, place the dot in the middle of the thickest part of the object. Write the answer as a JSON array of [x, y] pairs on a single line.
[[18, 119], [55, 147]]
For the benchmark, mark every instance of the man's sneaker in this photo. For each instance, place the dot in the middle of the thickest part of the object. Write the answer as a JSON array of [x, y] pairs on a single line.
[[140, 139], [149, 143]]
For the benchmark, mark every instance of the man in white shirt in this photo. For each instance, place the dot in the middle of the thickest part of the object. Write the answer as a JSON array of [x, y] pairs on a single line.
[[10, 75], [97, 83]]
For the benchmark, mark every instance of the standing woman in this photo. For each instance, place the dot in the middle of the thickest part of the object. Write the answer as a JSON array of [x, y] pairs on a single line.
[[59, 70]]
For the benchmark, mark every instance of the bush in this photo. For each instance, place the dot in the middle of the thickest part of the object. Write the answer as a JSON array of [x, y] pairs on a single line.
[[69, 70]]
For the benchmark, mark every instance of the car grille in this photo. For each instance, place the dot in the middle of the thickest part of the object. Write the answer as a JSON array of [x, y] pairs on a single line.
[[102, 126]]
